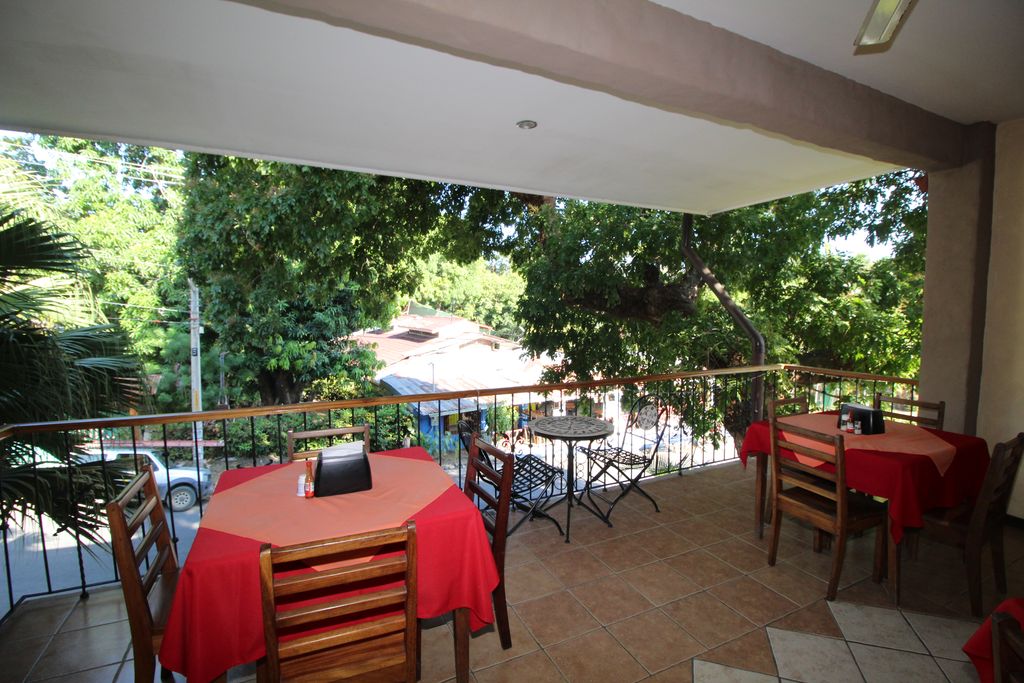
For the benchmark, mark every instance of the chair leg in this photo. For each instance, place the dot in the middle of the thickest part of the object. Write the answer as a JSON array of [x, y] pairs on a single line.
[[145, 666], [819, 540], [501, 616], [999, 561], [838, 553], [773, 546], [972, 559], [878, 571], [419, 647], [636, 487]]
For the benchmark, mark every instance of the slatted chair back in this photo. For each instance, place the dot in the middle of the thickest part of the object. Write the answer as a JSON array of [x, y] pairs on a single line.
[[645, 425], [353, 617], [1007, 649], [921, 413], [138, 510], [817, 447], [358, 432], [989, 512]]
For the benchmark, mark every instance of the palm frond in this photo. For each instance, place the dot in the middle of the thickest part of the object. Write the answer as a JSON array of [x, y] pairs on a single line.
[[29, 247]]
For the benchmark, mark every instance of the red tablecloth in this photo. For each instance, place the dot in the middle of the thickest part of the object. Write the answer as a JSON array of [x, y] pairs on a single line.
[[979, 647], [216, 619], [910, 482]]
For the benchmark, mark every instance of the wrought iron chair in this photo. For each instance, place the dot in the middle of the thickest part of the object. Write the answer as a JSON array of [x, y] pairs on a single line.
[[534, 481], [626, 463]]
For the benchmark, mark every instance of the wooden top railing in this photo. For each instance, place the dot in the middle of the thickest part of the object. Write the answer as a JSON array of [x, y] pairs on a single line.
[[7, 431]]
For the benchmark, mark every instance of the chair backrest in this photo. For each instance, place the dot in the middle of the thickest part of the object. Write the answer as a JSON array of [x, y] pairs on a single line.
[[1007, 649], [817, 447], [490, 489], [146, 518], [989, 512], [362, 431], [356, 614], [934, 415], [645, 424]]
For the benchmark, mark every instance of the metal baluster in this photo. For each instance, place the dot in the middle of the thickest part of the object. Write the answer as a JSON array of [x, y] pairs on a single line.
[[224, 438], [252, 437], [199, 476], [73, 501], [280, 452], [39, 516], [167, 473]]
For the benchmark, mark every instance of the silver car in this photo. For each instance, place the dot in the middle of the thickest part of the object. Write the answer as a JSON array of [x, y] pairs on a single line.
[[180, 487]]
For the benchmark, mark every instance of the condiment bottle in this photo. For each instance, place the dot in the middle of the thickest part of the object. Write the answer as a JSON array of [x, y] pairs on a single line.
[[309, 478]]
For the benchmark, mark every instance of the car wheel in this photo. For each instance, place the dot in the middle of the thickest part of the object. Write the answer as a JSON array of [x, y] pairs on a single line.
[[182, 497]]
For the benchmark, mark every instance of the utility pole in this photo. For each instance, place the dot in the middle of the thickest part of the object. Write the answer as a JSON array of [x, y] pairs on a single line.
[[196, 329]]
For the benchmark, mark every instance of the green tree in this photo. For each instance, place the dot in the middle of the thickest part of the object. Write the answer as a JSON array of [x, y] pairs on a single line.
[[293, 259]]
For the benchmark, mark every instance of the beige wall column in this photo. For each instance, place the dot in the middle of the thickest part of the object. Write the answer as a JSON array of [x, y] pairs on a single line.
[[956, 281], [1001, 408]]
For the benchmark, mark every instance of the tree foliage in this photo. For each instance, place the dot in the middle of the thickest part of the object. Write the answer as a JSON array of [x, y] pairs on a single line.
[[293, 259]]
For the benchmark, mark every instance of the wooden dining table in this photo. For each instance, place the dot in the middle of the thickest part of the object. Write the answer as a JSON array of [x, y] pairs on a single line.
[[914, 468], [216, 619]]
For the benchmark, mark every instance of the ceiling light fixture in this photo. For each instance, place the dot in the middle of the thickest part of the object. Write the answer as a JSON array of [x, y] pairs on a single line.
[[526, 124], [882, 21]]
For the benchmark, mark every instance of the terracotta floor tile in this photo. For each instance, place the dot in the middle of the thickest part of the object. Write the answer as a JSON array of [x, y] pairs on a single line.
[[662, 542], [732, 520], [19, 655], [739, 554], [93, 647], [102, 607], [529, 581], [545, 541], [628, 521], [751, 652], [655, 641], [596, 656], [659, 583], [700, 530], [485, 646], [708, 619], [437, 654], [555, 618], [787, 580], [38, 617], [576, 566], [535, 667], [703, 568], [621, 553], [680, 673], [816, 619], [820, 565], [866, 592], [611, 599], [753, 600]]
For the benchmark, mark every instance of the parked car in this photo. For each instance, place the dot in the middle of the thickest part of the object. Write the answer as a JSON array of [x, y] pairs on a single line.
[[185, 486]]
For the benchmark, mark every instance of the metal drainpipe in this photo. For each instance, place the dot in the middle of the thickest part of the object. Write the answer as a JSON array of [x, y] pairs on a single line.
[[757, 352]]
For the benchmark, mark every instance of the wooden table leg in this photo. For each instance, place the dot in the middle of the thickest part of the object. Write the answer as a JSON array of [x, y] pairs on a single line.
[[894, 564], [462, 645], [760, 485]]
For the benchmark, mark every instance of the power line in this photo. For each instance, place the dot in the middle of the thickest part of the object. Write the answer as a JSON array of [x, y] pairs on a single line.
[[151, 308], [153, 169]]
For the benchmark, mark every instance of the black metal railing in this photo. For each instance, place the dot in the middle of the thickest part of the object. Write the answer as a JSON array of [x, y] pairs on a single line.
[[710, 411]]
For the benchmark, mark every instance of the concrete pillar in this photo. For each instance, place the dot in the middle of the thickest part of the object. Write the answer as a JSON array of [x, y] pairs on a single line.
[[956, 281], [1001, 406]]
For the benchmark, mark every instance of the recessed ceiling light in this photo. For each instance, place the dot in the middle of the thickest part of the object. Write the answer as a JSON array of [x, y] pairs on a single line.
[[526, 124]]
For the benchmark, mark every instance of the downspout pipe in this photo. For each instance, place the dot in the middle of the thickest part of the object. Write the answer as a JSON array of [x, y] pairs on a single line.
[[757, 348]]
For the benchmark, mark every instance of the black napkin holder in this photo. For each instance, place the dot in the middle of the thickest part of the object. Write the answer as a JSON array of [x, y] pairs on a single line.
[[337, 472], [870, 419]]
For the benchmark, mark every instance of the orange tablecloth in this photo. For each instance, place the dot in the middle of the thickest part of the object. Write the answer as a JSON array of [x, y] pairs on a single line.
[[979, 647], [910, 481], [216, 619]]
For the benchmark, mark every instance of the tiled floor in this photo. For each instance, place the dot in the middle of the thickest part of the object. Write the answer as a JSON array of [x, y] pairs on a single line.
[[684, 595]]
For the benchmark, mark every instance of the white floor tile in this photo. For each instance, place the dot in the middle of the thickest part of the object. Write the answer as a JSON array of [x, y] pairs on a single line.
[[943, 637], [710, 672], [881, 665], [876, 626], [958, 672], [813, 659]]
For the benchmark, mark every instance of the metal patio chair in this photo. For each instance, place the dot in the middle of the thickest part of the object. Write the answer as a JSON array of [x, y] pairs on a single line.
[[534, 482], [626, 463]]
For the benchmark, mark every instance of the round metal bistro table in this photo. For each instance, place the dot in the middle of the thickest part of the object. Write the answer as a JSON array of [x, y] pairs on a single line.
[[572, 429]]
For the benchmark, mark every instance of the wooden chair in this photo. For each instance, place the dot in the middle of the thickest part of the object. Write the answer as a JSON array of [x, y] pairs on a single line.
[[533, 483], [626, 463], [1007, 649], [969, 527], [491, 490], [818, 493], [363, 430], [914, 408], [148, 596], [358, 620]]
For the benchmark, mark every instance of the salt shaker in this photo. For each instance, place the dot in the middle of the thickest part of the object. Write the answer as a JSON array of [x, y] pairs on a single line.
[[301, 492]]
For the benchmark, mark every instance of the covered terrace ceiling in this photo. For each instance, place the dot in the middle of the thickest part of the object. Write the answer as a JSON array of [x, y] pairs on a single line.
[[636, 102]]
